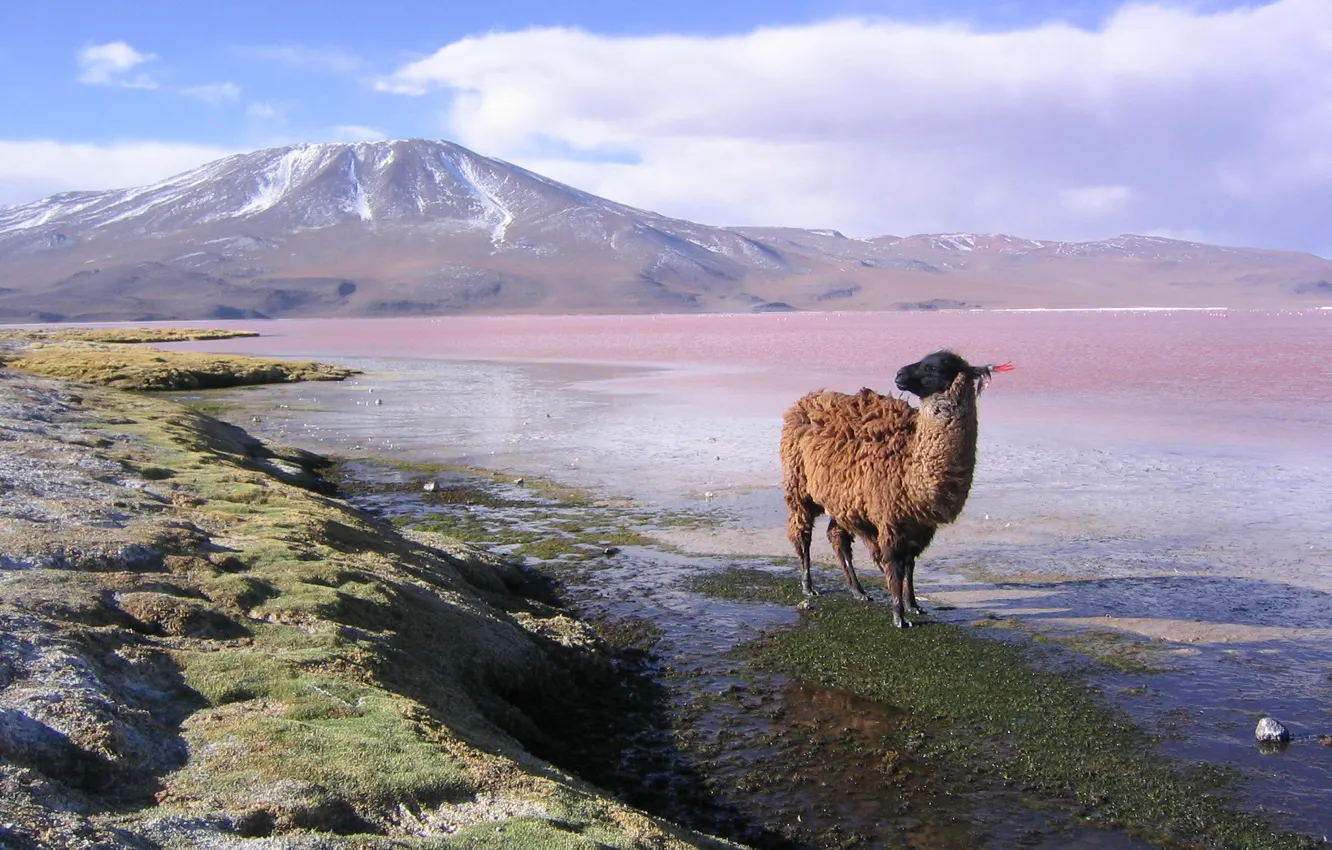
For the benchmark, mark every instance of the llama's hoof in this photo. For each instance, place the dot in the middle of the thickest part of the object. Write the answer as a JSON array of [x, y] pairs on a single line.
[[862, 596], [901, 622], [915, 610], [809, 591]]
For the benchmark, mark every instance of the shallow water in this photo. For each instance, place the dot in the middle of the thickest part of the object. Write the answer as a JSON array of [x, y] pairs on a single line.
[[1162, 475]]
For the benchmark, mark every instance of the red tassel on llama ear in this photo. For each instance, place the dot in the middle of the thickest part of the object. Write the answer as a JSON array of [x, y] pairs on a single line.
[[987, 372]]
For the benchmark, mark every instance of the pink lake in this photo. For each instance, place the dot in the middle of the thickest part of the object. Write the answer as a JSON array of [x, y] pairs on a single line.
[[1221, 375]]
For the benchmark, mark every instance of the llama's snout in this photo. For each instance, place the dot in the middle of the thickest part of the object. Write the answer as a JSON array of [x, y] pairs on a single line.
[[903, 380]]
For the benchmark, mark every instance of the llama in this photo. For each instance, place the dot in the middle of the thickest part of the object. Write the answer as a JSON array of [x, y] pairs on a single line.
[[882, 470]]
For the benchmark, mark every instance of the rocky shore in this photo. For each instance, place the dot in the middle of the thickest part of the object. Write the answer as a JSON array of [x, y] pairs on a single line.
[[204, 646]]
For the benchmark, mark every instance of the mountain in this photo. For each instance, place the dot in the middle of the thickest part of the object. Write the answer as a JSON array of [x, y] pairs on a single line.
[[428, 227]]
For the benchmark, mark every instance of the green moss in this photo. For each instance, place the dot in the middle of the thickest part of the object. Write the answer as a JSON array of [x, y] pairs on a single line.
[[120, 335], [747, 584], [528, 834], [983, 701], [1117, 649], [130, 367], [366, 751], [557, 549]]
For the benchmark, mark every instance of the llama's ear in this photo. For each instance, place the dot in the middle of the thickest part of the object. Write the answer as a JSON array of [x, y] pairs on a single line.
[[981, 374]]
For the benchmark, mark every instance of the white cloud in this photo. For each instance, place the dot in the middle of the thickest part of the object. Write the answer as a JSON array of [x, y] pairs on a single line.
[[317, 58], [261, 110], [110, 65], [354, 133], [35, 169], [214, 92], [1164, 118], [1094, 201]]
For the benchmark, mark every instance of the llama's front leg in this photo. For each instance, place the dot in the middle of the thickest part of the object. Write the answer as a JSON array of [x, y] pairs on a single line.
[[912, 606], [840, 539], [894, 575]]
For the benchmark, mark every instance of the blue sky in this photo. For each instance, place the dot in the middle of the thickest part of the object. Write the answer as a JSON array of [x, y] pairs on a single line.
[[1046, 119]]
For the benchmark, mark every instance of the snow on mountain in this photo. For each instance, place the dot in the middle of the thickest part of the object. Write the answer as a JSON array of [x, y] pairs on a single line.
[[421, 226]]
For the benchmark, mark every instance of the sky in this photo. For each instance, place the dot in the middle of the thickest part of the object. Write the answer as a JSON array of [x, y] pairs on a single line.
[[1194, 119]]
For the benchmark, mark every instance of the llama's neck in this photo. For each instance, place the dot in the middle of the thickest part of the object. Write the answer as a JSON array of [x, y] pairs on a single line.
[[943, 452]]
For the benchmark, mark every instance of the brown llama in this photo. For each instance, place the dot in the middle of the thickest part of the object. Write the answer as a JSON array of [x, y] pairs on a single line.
[[882, 470]]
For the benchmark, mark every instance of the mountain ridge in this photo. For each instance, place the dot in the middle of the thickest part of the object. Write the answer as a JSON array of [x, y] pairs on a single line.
[[422, 226]]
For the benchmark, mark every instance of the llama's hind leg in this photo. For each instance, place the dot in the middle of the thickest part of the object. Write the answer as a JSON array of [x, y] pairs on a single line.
[[799, 530], [840, 539]]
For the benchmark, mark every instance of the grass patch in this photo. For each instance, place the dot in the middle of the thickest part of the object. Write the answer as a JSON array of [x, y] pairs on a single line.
[[748, 584], [553, 525], [208, 407], [973, 700], [121, 335], [1117, 649], [143, 368]]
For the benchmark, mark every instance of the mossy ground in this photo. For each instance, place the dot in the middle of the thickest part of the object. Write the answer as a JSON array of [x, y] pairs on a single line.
[[547, 525], [125, 367], [346, 679], [977, 707], [119, 335], [104, 356]]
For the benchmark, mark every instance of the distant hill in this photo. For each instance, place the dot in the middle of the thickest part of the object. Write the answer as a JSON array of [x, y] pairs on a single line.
[[427, 227]]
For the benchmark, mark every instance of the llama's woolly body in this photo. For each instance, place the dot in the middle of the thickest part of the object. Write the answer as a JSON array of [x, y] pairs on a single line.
[[881, 470], [862, 455]]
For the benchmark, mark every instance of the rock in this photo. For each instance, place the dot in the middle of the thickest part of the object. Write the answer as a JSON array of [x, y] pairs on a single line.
[[379, 401], [431, 486], [1325, 740], [517, 481], [610, 550], [1270, 731]]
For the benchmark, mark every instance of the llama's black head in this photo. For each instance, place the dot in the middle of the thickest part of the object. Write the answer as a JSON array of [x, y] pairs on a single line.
[[936, 372]]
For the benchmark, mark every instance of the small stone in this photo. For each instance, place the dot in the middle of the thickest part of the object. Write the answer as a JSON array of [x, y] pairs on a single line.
[[610, 550], [379, 401], [1269, 730], [517, 481], [431, 486], [1325, 740]]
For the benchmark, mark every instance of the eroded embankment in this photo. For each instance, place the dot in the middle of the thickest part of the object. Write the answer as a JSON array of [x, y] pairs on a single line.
[[202, 645]]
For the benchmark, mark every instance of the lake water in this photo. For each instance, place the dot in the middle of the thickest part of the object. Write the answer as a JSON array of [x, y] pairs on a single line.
[[1160, 474]]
